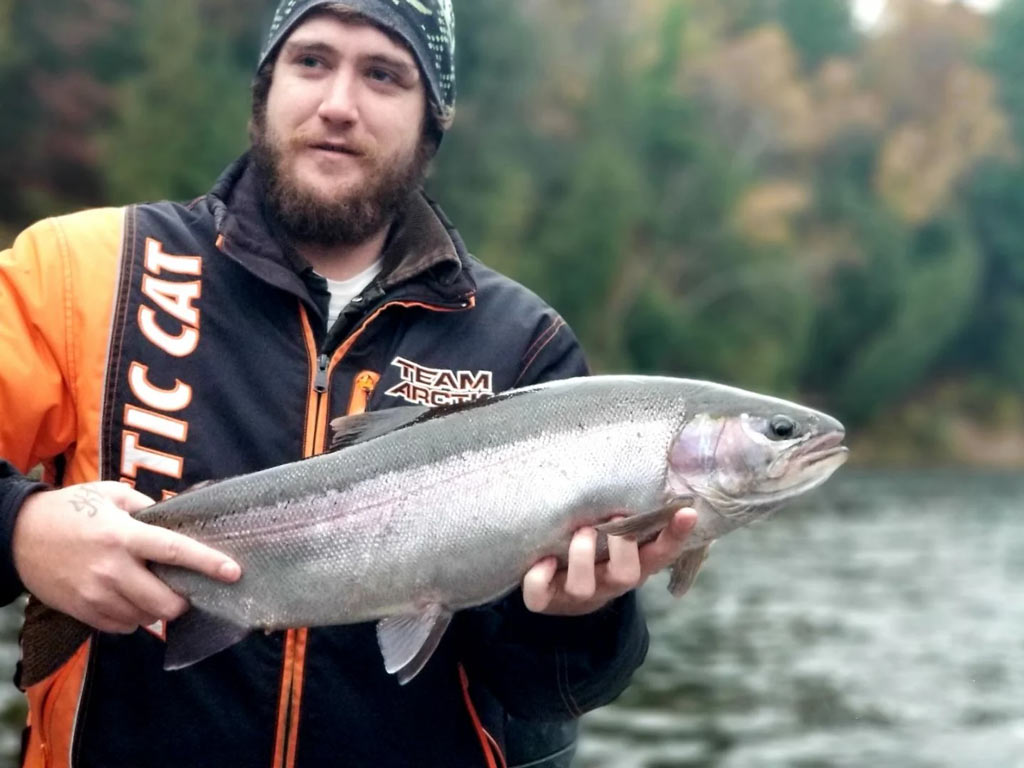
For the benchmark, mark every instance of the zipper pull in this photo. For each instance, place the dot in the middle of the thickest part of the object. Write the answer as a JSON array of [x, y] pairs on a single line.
[[320, 382], [362, 388]]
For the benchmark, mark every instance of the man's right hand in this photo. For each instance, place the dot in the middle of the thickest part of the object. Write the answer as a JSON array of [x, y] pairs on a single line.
[[78, 550]]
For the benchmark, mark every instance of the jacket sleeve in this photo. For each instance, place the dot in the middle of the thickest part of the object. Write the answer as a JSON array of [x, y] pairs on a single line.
[[551, 667], [37, 419]]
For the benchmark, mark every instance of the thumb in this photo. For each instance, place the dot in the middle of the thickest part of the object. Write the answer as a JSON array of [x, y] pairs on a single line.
[[125, 497]]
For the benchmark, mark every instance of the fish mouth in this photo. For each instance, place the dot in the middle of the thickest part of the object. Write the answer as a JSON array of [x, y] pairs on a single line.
[[823, 448]]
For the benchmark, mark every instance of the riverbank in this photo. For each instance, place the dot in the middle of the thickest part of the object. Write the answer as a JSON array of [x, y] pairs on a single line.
[[954, 424]]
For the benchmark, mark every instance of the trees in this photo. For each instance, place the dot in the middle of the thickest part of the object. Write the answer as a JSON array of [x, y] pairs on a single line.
[[750, 190]]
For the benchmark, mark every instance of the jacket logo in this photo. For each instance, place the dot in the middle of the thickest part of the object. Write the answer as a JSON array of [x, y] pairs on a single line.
[[439, 386], [165, 284]]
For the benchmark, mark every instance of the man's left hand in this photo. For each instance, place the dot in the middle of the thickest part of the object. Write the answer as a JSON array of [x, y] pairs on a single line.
[[586, 586]]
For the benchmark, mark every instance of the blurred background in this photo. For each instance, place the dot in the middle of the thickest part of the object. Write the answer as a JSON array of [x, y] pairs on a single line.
[[820, 199]]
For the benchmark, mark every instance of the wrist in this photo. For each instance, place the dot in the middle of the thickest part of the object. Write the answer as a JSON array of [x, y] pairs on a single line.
[[13, 494]]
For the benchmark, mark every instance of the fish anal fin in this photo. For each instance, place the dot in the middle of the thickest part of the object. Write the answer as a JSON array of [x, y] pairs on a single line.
[[197, 635], [361, 427], [644, 525], [683, 572], [407, 642]]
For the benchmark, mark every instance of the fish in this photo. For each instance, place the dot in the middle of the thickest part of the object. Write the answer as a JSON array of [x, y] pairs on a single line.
[[414, 514], [418, 513]]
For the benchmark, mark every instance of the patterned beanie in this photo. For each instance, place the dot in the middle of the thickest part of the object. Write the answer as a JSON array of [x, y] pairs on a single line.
[[427, 27]]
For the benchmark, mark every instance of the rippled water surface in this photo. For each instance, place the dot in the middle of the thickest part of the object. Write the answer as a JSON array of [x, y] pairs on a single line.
[[880, 623]]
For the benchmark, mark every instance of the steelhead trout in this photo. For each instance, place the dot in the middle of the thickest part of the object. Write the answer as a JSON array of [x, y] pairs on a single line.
[[418, 513]]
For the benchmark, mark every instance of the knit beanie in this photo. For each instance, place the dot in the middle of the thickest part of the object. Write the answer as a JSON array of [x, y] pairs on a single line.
[[427, 27]]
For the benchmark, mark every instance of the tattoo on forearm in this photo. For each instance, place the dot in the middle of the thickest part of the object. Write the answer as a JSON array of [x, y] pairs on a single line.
[[87, 500]]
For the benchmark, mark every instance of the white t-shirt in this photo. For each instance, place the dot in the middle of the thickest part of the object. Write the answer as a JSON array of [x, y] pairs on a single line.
[[343, 291]]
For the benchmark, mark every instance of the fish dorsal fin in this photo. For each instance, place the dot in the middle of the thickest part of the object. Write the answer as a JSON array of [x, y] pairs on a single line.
[[408, 642], [360, 427]]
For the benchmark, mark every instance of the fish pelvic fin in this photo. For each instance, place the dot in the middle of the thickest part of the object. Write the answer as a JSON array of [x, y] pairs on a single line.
[[645, 525], [197, 635], [407, 642], [683, 572]]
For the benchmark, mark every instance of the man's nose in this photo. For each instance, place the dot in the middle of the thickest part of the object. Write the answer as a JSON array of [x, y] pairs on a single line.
[[340, 99]]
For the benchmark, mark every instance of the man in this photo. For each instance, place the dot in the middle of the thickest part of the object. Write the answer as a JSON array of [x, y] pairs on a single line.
[[155, 346]]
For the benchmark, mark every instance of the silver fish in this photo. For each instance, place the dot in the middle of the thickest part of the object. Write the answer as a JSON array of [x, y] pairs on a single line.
[[420, 513]]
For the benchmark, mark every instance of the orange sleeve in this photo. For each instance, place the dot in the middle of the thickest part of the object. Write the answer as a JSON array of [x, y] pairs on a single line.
[[37, 410], [57, 287]]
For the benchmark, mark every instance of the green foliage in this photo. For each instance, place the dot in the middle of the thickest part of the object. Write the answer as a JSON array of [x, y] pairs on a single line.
[[818, 28], [162, 122], [940, 291], [1005, 56], [614, 156]]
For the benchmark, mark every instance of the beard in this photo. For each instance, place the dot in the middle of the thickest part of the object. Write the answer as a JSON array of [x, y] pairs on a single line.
[[349, 218]]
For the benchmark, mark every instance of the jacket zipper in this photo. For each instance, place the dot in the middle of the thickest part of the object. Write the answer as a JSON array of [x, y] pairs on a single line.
[[290, 699], [320, 380]]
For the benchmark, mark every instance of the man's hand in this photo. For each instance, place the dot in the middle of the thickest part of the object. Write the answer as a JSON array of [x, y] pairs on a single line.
[[78, 550], [586, 586]]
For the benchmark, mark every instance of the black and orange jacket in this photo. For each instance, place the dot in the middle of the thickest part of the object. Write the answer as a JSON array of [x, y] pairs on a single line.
[[165, 344]]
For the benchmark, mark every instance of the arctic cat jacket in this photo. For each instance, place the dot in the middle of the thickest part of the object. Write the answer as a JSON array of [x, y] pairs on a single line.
[[162, 345]]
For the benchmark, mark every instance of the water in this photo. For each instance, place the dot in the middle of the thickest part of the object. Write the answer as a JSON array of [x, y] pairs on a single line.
[[880, 623]]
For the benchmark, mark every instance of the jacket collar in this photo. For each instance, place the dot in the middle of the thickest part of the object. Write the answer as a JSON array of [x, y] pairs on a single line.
[[423, 254]]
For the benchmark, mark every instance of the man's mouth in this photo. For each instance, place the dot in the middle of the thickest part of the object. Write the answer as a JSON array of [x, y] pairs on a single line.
[[340, 149]]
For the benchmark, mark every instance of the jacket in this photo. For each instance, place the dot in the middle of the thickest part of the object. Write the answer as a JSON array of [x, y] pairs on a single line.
[[164, 344]]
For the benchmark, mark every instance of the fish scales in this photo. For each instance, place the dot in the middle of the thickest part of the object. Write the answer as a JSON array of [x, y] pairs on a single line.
[[437, 526], [426, 514]]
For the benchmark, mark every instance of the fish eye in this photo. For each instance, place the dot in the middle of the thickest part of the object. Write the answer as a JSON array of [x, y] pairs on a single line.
[[782, 427]]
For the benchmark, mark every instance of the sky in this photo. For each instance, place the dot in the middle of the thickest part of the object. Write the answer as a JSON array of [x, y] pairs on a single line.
[[867, 11]]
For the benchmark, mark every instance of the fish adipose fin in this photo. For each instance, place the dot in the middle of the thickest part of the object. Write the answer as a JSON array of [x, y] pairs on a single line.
[[361, 427], [684, 570], [197, 635], [646, 524], [408, 642]]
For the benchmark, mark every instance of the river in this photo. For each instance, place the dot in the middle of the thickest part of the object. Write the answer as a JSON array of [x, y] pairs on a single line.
[[876, 623]]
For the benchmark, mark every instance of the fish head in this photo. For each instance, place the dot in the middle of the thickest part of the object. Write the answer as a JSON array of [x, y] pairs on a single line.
[[748, 453]]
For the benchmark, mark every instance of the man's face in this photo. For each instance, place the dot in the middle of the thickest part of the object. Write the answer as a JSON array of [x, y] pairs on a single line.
[[341, 140]]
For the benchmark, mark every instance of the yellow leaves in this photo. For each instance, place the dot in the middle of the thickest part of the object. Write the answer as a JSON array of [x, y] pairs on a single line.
[[841, 103], [758, 99], [766, 211], [922, 160], [764, 104]]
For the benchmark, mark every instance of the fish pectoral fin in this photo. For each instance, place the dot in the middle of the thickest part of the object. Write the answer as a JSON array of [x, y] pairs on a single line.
[[407, 642], [361, 427], [684, 570], [645, 524], [198, 634]]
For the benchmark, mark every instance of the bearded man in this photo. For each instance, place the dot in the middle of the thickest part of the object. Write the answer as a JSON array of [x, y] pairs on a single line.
[[151, 347]]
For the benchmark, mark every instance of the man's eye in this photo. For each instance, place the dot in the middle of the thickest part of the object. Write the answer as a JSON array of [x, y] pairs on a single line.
[[381, 75], [309, 62]]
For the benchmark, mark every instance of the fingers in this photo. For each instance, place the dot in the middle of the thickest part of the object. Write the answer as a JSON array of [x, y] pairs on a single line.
[[580, 578], [623, 572], [160, 545], [151, 598], [111, 612], [667, 548], [538, 589]]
